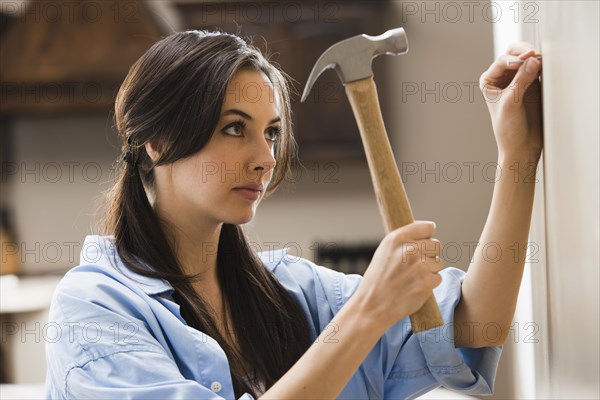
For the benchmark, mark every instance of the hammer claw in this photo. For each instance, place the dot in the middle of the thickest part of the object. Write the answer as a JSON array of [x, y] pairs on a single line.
[[351, 58]]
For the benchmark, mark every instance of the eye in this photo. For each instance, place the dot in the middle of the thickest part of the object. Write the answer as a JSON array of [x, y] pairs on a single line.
[[273, 133], [235, 128]]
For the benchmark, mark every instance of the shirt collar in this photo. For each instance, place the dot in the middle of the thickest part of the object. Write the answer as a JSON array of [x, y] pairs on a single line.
[[101, 250], [272, 258]]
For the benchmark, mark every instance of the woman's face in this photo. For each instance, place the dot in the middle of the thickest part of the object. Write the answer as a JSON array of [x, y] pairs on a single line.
[[226, 179]]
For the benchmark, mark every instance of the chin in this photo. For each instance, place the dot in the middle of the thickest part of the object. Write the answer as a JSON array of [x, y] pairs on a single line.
[[240, 219]]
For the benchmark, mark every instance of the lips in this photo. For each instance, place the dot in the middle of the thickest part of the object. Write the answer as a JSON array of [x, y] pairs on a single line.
[[252, 186], [250, 191]]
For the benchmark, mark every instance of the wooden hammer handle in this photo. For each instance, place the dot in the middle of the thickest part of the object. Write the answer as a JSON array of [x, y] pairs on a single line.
[[390, 192]]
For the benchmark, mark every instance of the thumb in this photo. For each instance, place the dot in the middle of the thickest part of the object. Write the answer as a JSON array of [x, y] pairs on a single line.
[[526, 75]]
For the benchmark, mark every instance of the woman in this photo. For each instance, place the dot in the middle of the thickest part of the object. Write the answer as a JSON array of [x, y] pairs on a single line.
[[173, 302]]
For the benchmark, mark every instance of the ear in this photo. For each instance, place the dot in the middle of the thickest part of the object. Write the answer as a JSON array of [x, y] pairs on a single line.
[[152, 151]]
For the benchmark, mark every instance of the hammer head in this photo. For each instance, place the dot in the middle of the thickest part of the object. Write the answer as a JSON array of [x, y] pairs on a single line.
[[352, 57]]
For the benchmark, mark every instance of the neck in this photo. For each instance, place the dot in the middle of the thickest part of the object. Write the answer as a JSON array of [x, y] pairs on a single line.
[[195, 242]]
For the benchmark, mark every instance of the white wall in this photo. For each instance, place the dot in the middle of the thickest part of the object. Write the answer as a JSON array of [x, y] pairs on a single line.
[[60, 167], [559, 300], [570, 40]]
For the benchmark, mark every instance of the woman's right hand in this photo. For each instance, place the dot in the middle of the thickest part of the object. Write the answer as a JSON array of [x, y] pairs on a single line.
[[402, 274], [398, 281]]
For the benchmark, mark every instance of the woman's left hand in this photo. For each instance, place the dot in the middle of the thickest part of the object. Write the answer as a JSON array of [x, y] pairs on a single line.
[[513, 96]]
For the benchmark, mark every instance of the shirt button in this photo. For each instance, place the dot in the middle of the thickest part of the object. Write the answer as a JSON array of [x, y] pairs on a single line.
[[216, 386]]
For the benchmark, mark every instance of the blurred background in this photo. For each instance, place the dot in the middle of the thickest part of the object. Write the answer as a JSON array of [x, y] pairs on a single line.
[[62, 62]]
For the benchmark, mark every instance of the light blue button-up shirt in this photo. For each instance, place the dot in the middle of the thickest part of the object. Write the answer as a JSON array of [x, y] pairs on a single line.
[[117, 336]]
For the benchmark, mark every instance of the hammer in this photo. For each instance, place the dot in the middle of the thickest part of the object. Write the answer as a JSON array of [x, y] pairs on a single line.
[[351, 59]]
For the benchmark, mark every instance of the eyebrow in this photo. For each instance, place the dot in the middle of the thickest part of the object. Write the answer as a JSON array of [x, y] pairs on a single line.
[[235, 111]]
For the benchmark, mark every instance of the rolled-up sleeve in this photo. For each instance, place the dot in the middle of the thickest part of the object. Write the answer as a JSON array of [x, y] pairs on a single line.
[[430, 359], [402, 364]]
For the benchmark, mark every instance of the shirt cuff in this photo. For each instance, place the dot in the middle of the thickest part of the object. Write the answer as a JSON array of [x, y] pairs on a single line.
[[467, 370]]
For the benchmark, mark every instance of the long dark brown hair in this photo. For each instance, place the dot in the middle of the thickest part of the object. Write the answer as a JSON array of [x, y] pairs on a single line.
[[172, 97]]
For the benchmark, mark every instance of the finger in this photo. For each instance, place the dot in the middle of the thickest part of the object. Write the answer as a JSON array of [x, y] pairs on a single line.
[[425, 250], [422, 229], [430, 247], [435, 264], [519, 48], [438, 265], [526, 75], [518, 60], [436, 279], [412, 232], [499, 74]]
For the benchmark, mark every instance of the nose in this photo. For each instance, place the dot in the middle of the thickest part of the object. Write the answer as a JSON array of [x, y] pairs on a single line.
[[262, 160]]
